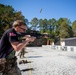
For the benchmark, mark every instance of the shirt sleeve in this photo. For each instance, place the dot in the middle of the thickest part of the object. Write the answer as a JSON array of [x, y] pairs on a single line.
[[13, 37]]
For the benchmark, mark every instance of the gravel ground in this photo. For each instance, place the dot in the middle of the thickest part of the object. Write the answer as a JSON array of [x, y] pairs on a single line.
[[46, 61]]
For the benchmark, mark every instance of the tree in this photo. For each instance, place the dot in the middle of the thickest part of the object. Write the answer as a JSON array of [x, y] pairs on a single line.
[[34, 23], [52, 26], [59, 23], [43, 25], [65, 30], [74, 28], [7, 16]]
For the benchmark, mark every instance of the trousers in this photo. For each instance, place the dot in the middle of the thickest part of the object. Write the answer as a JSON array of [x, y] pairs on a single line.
[[11, 67], [13, 71]]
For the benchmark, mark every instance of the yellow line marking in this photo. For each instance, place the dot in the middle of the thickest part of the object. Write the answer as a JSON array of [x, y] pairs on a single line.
[[29, 66]]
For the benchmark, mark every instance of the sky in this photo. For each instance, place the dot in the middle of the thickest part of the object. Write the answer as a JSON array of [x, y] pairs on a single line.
[[50, 8]]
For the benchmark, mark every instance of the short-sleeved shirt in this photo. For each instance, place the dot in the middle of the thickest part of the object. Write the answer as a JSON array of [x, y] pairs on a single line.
[[5, 43]]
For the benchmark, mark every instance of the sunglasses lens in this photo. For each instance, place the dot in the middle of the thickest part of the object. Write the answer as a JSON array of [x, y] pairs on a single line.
[[23, 29]]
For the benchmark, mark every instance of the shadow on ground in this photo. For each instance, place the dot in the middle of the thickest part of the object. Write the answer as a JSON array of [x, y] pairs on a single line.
[[28, 69], [34, 56]]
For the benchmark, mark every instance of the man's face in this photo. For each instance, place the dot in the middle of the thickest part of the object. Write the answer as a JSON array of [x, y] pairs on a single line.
[[22, 28]]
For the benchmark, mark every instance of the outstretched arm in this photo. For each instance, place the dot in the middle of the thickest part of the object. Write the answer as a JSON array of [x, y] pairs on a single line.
[[19, 46]]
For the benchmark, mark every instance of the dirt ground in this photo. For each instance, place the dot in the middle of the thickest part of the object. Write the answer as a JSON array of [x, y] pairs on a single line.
[[47, 61]]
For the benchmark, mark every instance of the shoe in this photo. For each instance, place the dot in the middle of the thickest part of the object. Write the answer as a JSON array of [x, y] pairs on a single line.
[[25, 61]]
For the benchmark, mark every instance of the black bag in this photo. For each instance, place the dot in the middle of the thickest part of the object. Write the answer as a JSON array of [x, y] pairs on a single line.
[[2, 64]]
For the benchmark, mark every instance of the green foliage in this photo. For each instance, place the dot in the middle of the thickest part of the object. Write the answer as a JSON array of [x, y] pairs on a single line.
[[34, 23], [7, 16], [65, 30], [74, 28], [43, 25], [61, 28]]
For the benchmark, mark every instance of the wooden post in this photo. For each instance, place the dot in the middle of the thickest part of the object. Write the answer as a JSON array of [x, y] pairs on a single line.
[[48, 42]]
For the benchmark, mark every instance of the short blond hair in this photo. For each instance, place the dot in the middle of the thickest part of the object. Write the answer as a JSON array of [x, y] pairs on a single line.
[[18, 23]]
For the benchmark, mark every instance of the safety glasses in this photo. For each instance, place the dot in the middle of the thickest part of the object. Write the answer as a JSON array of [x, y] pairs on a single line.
[[23, 29]]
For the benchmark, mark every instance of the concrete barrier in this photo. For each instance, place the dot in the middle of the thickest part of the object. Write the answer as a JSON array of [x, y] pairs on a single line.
[[58, 47]]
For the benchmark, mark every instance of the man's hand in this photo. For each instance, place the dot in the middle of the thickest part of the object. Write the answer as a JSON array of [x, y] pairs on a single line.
[[26, 36], [31, 39]]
